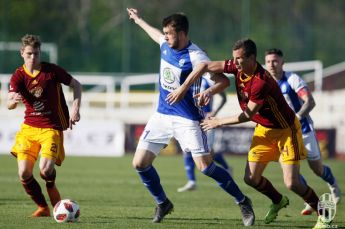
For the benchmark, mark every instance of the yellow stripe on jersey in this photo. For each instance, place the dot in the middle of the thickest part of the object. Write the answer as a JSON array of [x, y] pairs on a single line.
[[61, 114], [277, 114]]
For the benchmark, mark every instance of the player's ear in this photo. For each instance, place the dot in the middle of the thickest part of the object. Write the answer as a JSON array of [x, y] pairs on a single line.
[[252, 57]]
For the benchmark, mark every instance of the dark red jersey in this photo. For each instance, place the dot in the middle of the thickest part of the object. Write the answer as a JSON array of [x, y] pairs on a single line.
[[262, 89], [43, 96]]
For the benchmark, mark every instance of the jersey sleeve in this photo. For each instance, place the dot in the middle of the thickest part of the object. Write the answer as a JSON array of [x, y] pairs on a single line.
[[197, 57], [230, 67], [296, 82], [14, 85], [161, 41], [62, 76]]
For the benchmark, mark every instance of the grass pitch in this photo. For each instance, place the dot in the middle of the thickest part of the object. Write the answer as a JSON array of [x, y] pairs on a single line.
[[111, 195]]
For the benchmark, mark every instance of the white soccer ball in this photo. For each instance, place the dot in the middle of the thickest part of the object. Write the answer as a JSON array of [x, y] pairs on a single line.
[[66, 211]]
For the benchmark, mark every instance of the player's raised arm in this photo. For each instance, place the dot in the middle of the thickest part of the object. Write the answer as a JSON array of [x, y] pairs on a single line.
[[198, 71], [153, 32]]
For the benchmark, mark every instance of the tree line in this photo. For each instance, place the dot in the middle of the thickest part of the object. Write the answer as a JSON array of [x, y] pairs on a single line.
[[96, 35]]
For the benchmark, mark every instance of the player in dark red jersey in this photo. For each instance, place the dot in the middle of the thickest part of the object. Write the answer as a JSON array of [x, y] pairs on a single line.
[[38, 85], [277, 133]]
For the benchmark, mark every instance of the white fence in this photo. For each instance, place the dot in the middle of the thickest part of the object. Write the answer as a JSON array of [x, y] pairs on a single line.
[[109, 99]]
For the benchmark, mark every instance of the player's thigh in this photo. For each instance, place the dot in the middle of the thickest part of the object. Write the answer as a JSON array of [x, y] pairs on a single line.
[[263, 148], [312, 146], [190, 136], [51, 147], [25, 146], [158, 129], [210, 138], [46, 165], [290, 142], [291, 174], [25, 168]]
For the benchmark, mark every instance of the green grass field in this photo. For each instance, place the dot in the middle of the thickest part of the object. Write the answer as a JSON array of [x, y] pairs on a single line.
[[111, 195]]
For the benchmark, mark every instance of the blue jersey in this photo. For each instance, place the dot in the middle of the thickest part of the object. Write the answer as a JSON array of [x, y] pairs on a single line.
[[206, 83], [175, 66], [290, 84]]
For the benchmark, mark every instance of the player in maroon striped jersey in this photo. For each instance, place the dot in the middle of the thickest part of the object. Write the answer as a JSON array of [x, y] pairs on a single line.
[[38, 85], [277, 135]]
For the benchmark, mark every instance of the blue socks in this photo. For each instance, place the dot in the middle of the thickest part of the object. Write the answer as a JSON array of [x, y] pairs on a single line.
[[224, 180], [150, 178], [219, 158], [189, 166], [327, 175]]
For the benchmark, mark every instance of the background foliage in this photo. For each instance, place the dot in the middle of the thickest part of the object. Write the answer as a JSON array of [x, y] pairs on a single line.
[[96, 35]]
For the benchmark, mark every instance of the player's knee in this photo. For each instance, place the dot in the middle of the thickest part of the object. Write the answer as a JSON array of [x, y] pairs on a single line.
[[251, 180], [292, 184], [24, 174], [45, 172], [48, 175], [139, 164]]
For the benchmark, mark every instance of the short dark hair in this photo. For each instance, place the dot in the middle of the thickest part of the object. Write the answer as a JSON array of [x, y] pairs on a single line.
[[247, 44], [178, 21], [274, 51]]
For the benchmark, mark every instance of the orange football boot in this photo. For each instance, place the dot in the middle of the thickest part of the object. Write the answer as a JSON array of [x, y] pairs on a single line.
[[41, 212]]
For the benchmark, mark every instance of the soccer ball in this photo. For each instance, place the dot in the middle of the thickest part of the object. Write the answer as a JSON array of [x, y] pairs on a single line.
[[66, 211]]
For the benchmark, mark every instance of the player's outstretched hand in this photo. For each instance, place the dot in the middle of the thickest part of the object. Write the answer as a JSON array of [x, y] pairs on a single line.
[[75, 117], [203, 97], [16, 98], [176, 95], [210, 123], [133, 14]]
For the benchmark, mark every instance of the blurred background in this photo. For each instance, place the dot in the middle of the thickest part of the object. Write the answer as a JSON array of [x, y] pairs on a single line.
[[118, 63], [96, 35]]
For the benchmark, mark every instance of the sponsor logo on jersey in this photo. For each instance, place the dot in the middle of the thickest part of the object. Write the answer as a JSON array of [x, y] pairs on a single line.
[[168, 75]]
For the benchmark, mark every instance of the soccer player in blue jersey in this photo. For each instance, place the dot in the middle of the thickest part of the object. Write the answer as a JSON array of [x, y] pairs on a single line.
[[178, 114], [298, 96], [189, 164]]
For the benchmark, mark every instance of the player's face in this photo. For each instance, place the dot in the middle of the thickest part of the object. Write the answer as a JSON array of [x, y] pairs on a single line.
[[171, 36], [243, 63], [31, 56], [274, 64]]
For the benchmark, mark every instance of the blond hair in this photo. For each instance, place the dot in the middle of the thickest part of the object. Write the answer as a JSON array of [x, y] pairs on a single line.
[[31, 40]]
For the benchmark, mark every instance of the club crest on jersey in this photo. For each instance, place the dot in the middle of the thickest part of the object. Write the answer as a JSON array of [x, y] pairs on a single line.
[[168, 75], [283, 88], [36, 91], [181, 62]]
